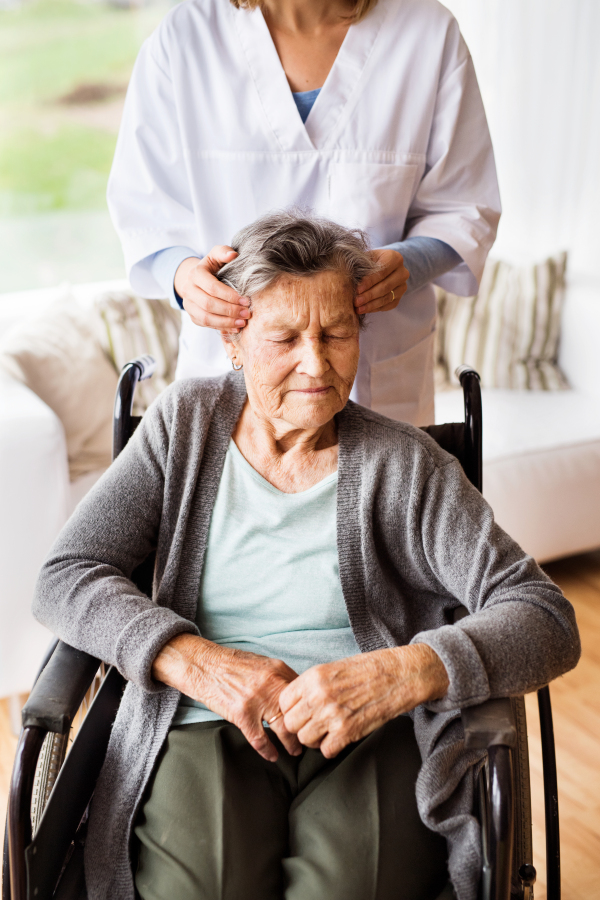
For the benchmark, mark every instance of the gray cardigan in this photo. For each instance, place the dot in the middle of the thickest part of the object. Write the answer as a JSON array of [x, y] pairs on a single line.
[[415, 540]]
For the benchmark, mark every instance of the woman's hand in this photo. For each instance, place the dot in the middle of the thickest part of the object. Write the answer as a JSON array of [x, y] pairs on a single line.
[[332, 705], [208, 301], [375, 291], [242, 687]]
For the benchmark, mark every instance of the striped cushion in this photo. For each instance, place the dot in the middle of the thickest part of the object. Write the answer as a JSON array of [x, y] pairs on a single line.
[[129, 326], [509, 331]]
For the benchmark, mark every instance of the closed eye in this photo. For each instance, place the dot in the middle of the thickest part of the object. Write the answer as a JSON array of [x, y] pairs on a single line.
[[344, 336]]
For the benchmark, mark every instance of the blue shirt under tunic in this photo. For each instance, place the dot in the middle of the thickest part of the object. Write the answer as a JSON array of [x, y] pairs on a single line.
[[305, 100], [270, 582]]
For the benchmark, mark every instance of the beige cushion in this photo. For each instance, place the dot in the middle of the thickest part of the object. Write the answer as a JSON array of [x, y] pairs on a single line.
[[509, 331], [71, 358], [128, 326], [57, 356]]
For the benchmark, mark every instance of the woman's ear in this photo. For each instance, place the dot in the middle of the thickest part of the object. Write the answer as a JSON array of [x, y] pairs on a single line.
[[230, 348]]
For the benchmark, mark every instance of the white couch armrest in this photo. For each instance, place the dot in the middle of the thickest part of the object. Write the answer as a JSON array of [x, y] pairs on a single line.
[[34, 486]]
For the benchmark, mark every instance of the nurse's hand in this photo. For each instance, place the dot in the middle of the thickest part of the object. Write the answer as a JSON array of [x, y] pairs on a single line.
[[242, 687], [333, 705], [208, 301], [375, 292]]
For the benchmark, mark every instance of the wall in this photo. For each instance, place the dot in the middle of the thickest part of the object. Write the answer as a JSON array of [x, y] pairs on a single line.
[[539, 70]]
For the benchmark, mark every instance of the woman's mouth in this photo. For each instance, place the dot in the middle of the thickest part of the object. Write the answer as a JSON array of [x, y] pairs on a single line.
[[316, 390]]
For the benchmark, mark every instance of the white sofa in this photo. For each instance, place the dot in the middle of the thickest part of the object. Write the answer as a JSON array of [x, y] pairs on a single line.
[[541, 468], [541, 451], [37, 497]]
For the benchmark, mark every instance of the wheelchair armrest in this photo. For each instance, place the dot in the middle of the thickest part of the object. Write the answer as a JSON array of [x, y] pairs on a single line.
[[489, 724], [60, 689]]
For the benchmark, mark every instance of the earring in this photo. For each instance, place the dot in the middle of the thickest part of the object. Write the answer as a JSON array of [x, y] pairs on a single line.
[[236, 368]]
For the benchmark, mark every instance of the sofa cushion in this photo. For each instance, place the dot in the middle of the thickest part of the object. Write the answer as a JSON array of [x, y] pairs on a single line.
[[509, 331], [70, 354], [57, 355], [127, 326]]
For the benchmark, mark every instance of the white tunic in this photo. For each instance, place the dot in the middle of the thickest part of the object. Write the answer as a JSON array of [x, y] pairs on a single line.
[[397, 144]]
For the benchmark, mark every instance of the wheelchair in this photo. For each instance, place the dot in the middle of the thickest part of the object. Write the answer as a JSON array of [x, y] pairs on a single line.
[[51, 788]]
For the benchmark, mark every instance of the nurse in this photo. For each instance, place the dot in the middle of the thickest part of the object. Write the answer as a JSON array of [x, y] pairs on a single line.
[[366, 111]]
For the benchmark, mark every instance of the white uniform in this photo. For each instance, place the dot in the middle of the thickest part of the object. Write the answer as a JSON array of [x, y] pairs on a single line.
[[397, 144]]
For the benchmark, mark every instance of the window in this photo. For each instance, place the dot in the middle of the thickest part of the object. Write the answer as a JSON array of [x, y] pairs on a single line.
[[64, 69]]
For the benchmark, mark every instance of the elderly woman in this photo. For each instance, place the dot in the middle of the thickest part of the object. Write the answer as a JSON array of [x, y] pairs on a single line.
[[309, 555]]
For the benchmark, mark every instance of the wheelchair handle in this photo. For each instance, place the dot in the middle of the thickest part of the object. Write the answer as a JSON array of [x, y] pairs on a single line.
[[470, 383], [124, 423], [146, 364]]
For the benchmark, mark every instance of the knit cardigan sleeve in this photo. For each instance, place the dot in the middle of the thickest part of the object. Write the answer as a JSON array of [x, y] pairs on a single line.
[[522, 632], [84, 592]]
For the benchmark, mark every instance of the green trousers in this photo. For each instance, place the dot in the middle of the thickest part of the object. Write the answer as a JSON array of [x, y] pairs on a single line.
[[218, 822]]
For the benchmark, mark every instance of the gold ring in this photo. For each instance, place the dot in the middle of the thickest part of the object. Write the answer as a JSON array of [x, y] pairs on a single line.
[[393, 296], [274, 719]]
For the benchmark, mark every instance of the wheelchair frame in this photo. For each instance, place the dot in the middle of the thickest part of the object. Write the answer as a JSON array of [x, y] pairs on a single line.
[[40, 849]]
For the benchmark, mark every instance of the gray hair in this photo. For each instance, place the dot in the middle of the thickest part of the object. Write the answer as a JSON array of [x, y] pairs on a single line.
[[294, 242]]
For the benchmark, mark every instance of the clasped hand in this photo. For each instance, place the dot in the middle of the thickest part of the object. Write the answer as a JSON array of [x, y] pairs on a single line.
[[328, 707], [332, 705]]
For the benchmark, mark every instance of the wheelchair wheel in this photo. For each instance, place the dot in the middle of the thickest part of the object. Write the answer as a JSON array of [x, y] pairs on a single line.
[[53, 753], [51, 758]]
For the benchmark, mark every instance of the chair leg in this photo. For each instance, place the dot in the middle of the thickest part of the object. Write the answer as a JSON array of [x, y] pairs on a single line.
[[553, 881]]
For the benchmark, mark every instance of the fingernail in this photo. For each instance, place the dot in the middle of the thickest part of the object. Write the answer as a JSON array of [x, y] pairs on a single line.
[[245, 314], [244, 301], [240, 322], [361, 310]]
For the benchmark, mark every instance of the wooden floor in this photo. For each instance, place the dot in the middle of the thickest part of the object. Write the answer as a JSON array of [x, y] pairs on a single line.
[[576, 706], [576, 709]]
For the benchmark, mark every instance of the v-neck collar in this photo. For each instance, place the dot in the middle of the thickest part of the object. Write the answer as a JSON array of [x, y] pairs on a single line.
[[334, 100], [240, 461]]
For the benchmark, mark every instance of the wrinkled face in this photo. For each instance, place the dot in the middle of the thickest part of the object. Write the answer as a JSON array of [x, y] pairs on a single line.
[[300, 349]]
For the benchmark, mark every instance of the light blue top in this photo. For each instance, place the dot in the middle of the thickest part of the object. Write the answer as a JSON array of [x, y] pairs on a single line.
[[305, 100], [270, 582], [425, 258]]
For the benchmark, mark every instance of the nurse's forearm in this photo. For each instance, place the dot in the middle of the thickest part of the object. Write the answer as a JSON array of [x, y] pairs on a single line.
[[163, 266], [426, 259]]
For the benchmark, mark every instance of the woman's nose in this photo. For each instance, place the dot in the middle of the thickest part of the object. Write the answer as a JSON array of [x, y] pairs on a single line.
[[313, 360]]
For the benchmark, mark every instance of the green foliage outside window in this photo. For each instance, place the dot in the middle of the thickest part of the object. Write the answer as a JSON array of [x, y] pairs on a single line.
[[64, 67]]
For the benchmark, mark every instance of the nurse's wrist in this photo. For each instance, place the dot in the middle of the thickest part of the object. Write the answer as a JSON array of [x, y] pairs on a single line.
[[182, 274]]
